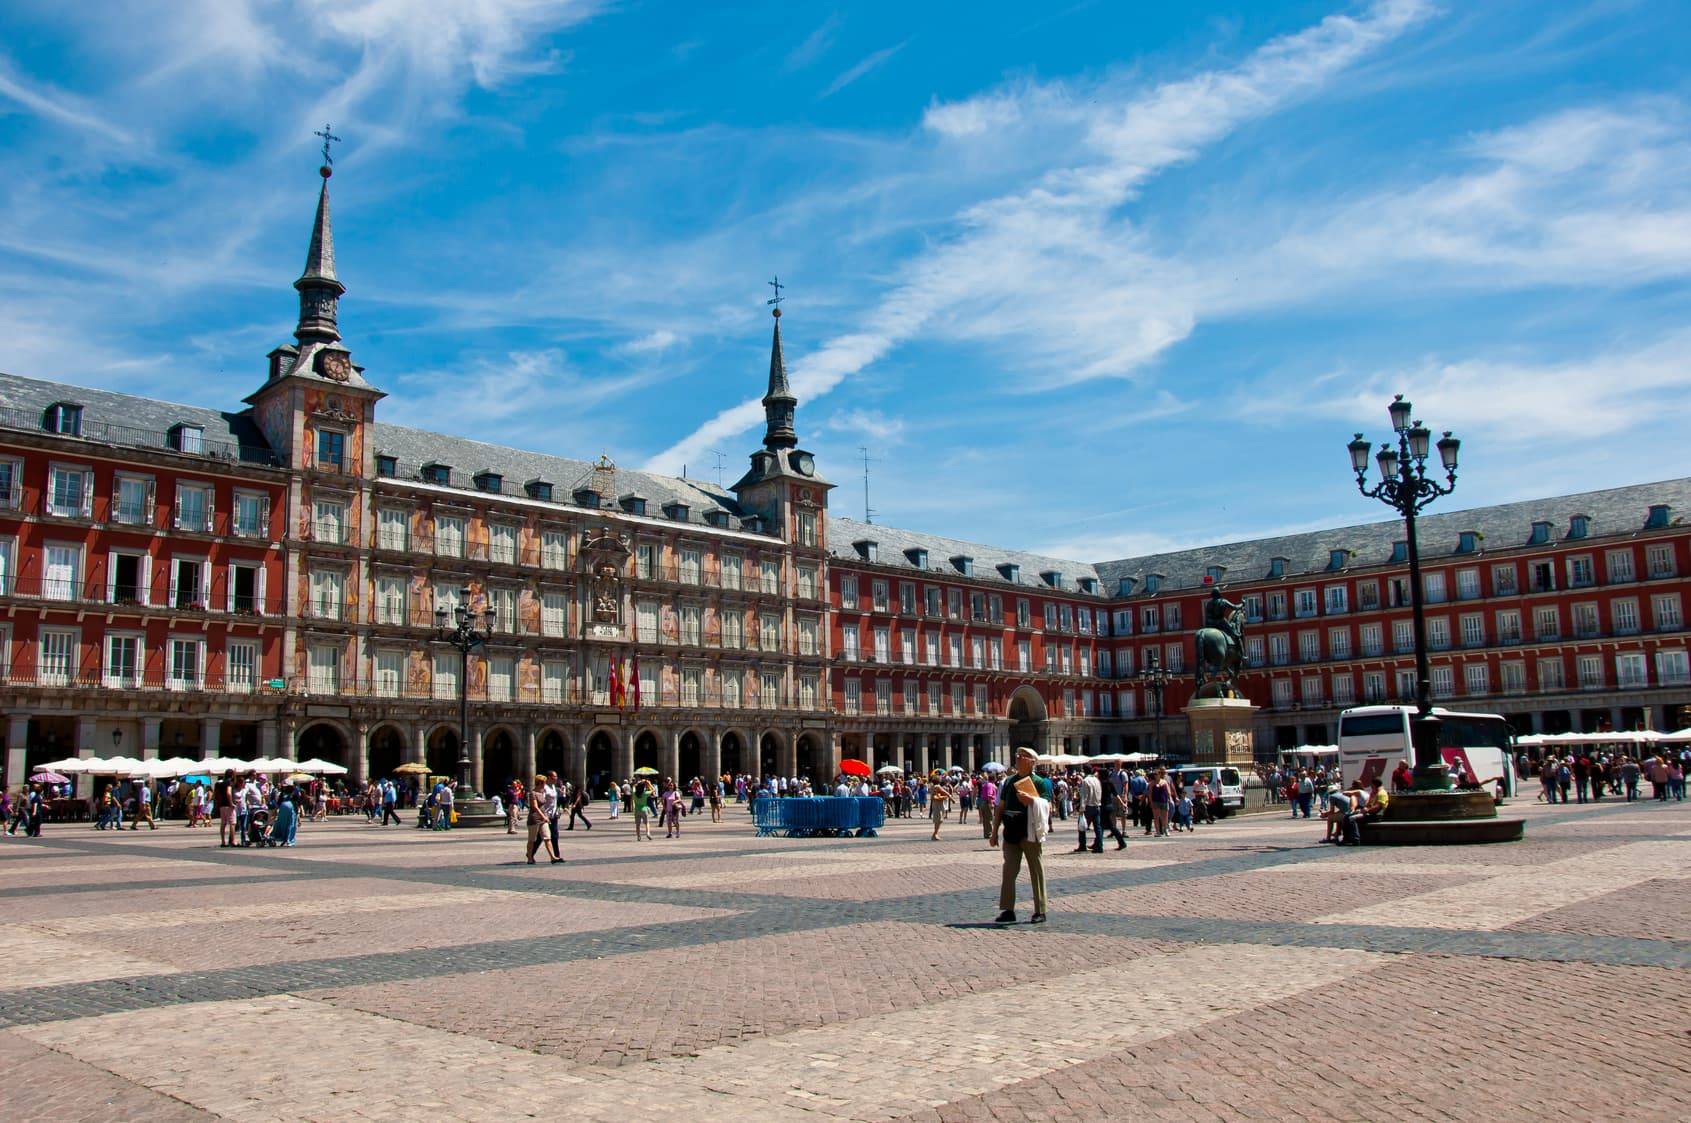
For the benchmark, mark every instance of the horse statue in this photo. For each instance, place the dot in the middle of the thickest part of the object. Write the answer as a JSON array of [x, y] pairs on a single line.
[[1220, 652]]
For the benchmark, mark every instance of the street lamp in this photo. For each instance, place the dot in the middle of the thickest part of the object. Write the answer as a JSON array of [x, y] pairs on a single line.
[[1156, 678], [1405, 487], [465, 631]]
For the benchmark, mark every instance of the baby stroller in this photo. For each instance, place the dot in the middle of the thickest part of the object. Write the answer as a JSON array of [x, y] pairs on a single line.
[[258, 828]]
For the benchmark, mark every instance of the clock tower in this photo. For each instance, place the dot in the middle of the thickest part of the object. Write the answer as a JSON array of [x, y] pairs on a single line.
[[783, 487]]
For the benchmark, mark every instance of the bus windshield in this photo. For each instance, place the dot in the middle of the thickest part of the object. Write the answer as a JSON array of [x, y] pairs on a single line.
[[1372, 725]]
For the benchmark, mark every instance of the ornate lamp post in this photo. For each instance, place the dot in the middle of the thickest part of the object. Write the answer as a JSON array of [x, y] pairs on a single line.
[[464, 630], [1156, 678], [1405, 487]]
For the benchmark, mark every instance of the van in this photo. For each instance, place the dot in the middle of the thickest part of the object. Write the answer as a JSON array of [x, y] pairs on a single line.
[[1222, 779]]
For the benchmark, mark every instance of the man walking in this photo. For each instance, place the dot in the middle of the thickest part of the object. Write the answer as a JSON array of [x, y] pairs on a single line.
[[1019, 822], [1103, 814]]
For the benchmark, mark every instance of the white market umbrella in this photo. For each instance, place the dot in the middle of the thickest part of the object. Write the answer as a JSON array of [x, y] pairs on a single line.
[[322, 767], [70, 766], [884, 770]]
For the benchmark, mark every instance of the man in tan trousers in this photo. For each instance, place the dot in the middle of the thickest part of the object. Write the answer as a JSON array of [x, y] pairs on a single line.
[[1015, 827]]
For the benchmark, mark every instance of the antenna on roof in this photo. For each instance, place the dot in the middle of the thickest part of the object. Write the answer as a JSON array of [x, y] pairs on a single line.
[[720, 461], [868, 511]]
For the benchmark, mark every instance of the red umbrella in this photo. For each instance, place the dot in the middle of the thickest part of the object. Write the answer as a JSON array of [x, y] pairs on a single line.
[[855, 767]]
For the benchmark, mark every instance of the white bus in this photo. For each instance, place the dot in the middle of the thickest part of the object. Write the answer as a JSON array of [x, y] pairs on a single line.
[[1372, 739]]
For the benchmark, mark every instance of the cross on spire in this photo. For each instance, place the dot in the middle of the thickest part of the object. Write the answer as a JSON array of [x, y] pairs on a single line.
[[328, 138], [777, 298]]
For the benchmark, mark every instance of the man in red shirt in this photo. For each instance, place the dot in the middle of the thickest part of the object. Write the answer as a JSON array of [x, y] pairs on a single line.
[[1402, 778]]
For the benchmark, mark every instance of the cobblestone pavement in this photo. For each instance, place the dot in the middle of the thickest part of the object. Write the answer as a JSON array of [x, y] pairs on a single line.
[[1242, 971]]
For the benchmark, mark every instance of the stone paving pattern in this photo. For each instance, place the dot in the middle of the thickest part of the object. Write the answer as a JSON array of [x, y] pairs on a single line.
[[1242, 971]]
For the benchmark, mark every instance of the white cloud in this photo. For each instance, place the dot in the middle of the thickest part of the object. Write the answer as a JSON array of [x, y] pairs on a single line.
[[865, 424], [59, 107], [815, 44], [651, 343], [860, 68]]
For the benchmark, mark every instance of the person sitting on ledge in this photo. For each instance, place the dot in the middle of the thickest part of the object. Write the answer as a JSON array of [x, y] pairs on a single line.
[[1372, 810]]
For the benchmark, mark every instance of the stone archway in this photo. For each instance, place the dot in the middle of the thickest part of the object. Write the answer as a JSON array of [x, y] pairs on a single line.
[[810, 760], [733, 754], [387, 751], [646, 750], [769, 754], [692, 757], [324, 741], [550, 754], [601, 758], [1027, 718], [441, 754], [498, 761]]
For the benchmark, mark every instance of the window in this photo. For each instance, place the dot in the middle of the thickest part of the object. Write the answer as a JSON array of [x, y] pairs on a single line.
[[1618, 564], [132, 501], [246, 589], [1672, 668], [931, 649], [501, 609], [769, 688], [1277, 608], [123, 661], [1279, 649], [809, 635], [1127, 703], [1309, 646], [1623, 614], [1336, 599], [1372, 642], [1175, 657], [1438, 633], [995, 610], [1550, 674], [331, 449], [1024, 655], [1509, 626], [1585, 619], [70, 492], [502, 543], [501, 678], [393, 528], [11, 492], [125, 578], [242, 677], [58, 657], [957, 699], [1310, 692], [1281, 693], [328, 593], [1503, 580], [388, 467], [1399, 591], [853, 695], [1304, 602], [807, 528], [645, 622], [1467, 584], [1514, 677], [1658, 560], [645, 556], [1403, 636], [1338, 643], [186, 666], [1148, 618], [954, 651], [554, 617], [907, 646], [883, 645], [692, 565], [1433, 584], [1444, 682], [881, 596], [193, 508], [64, 418], [390, 673], [1253, 656], [954, 603], [1476, 679], [907, 598], [251, 515], [731, 688], [804, 576], [1664, 610], [769, 632], [62, 573], [189, 583], [189, 438], [555, 552], [769, 574], [1542, 577], [1546, 622], [328, 523], [692, 625], [449, 536], [733, 566], [1580, 572], [1050, 617], [1171, 617], [1368, 595], [1023, 619], [1373, 686], [1590, 672], [446, 674], [848, 591], [807, 691], [883, 696], [1473, 630], [734, 631], [1630, 670]]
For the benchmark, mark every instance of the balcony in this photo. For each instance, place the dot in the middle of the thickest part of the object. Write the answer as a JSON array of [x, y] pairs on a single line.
[[52, 592]]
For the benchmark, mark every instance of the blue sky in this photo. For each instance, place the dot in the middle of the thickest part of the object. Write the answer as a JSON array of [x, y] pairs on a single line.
[[1094, 279]]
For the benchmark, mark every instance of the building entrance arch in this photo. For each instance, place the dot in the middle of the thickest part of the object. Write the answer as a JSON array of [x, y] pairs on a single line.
[[769, 754], [1027, 718], [324, 741], [549, 754], [810, 760], [601, 758], [733, 754], [442, 753], [387, 751], [646, 750], [498, 762], [692, 757]]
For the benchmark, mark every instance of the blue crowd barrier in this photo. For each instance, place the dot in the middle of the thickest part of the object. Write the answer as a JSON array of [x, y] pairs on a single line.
[[819, 816]]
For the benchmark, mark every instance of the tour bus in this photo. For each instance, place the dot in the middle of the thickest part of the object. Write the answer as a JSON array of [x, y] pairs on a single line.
[[1372, 739], [1223, 781]]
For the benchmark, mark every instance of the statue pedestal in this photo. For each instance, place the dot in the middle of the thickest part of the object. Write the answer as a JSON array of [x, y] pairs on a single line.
[[1222, 731]]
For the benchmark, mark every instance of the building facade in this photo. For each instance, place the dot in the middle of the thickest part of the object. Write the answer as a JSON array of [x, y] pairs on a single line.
[[269, 580]]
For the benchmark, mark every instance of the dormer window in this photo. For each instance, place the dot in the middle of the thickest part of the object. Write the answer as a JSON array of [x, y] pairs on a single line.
[[1540, 533], [1468, 542], [964, 565], [918, 557], [585, 497], [1579, 526], [1153, 582], [752, 524], [64, 418], [491, 482], [188, 438], [867, 549], [632, 503], [676, 512], [437, 473], [1213, 573], [718, 519], [1337, 560], [387, 465], [1400, 553], [1088, 584], [538, 489], [1011, 572], [1661, 515], [1277, 567], [1124, 586]]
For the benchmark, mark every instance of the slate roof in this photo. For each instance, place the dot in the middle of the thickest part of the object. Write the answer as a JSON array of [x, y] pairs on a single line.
[[1614, 511], [126, 419], [891, 544]]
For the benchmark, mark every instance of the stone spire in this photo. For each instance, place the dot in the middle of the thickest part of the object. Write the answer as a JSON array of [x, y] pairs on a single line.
[[319, 289], [779, 403]]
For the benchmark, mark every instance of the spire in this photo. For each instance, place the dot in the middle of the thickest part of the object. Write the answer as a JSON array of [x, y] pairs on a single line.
[[778, 403], [319, 289]]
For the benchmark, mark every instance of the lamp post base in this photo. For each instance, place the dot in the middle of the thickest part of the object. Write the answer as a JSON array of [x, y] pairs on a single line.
[[477, 813], [1442, 818]]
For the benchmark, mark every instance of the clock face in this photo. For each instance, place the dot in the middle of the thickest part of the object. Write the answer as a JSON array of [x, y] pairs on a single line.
[[804, 463], [336, 366]]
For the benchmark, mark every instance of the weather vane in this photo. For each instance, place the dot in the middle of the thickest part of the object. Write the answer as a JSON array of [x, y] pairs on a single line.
[[328, 138], [777, 298]]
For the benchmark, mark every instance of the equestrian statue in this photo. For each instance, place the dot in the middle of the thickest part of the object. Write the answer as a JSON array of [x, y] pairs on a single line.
[[1221, 648]]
